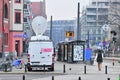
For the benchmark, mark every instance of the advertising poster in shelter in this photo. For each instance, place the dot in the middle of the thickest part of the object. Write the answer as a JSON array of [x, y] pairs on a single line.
[[78, 53]]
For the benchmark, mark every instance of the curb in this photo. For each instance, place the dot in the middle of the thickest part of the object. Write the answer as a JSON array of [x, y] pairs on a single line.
[[111, 58], [41, 73]]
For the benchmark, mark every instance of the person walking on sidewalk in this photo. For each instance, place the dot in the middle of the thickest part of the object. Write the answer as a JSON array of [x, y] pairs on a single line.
[[99, 59]]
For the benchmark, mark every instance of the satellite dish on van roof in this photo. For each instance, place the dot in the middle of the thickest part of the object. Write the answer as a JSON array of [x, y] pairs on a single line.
[[39, 25]]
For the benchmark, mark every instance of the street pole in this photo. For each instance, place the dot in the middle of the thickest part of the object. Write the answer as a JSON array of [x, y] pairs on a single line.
[[51, 28], [3, 55], [78, 24], [88, 40]]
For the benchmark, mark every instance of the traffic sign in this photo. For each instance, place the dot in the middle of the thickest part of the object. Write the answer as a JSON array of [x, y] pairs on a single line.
[[25, 35], [105, 27]]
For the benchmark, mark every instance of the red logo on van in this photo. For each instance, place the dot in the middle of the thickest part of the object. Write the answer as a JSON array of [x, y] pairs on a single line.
[[46, 50]]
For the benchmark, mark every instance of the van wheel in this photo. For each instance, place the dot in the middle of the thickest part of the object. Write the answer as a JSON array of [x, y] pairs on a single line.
[[51, 69], [29, 69]]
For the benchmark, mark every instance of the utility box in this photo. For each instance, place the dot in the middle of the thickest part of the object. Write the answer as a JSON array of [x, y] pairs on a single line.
[[71, 51]]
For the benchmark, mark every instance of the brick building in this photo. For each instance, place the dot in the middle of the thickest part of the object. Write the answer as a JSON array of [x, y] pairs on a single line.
[[11, 28], [38, 8]]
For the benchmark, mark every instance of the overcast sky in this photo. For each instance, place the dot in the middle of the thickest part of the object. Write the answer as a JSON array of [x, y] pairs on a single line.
[[63, 9]]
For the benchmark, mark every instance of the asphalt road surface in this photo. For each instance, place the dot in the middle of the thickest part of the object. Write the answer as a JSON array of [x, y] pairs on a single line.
[[73, 71]]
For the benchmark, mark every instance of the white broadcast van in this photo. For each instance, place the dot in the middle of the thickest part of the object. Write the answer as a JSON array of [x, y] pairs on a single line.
[[40, 53]]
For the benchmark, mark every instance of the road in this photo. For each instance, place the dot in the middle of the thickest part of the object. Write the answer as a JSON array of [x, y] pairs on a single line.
[[58, 77], [20, 76], [72, 72]]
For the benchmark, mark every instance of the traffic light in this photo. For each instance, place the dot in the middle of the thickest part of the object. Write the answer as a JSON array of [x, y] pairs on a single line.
[[114, 39], [114, 33], [69, 34]]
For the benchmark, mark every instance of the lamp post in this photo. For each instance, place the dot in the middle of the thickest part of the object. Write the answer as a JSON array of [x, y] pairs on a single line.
[[78, 24], [51, 28], [88, 39], [3, 30]]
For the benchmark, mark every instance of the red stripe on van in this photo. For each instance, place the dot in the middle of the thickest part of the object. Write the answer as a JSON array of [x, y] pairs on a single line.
[[46, 50]]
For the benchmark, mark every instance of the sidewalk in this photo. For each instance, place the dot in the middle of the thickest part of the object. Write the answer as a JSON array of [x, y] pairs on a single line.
[[74, 71], [111, 58], [81, 77]]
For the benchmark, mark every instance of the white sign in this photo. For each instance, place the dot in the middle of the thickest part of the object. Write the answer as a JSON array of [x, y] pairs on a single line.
[[78, 53], [105, 27]]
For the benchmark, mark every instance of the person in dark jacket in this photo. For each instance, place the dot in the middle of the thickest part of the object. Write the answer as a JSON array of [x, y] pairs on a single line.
[[99, 59]]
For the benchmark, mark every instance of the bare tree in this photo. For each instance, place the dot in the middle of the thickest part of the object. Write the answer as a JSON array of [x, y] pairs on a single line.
[[114, 12], [114, 20]]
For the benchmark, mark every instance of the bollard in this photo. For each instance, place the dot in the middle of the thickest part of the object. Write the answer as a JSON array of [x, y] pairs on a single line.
[[105, 69], [64, 68], [23, 77], [52, 77], [108, 78], [5, 67], [25, 68], [85, 69], [113, 62], [79, 78]]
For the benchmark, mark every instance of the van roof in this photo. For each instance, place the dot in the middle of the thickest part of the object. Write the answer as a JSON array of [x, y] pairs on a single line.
[[40, 40], [40, 37]]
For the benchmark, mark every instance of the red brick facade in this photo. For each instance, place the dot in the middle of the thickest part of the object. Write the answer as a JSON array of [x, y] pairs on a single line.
[[38, 9], [12, 38]]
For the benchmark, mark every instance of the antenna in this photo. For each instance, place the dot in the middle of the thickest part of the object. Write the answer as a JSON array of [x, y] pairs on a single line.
[[39, 25]]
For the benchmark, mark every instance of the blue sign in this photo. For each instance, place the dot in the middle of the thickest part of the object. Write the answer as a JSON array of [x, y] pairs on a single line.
[[17, 35], [97, 43], [25, 35]]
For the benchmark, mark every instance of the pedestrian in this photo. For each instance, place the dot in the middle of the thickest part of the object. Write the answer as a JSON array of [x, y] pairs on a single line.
[[99, 59]]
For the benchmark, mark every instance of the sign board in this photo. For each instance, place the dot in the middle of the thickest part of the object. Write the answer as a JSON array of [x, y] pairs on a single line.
[[78, 53], [18, 35]]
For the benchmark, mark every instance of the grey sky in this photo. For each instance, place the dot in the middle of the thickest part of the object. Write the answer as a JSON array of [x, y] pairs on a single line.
[[63, 9]]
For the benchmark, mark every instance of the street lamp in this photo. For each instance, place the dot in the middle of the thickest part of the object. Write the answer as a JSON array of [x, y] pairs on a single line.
[[78, 23], [51, 28], [88, 39], [3, 30]]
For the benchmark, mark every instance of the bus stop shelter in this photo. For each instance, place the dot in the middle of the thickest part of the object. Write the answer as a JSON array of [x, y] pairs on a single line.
[[71, 51]]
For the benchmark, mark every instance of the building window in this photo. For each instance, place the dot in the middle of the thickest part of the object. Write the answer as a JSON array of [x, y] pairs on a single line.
[[25, 19], [17, 17], [94, 3], [6, 38], [5, 11], [99, 38], [17, 1], [25, 6]]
